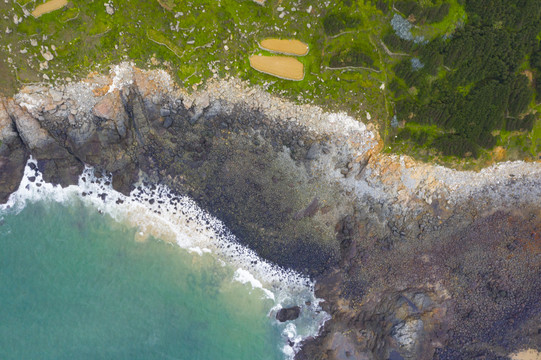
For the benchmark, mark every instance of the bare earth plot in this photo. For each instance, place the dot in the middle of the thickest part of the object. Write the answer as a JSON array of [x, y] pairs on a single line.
[[48, 7], [289, 47], [280, 66]]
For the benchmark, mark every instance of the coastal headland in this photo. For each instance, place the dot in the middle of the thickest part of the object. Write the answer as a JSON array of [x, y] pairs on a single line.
[[415, 261]]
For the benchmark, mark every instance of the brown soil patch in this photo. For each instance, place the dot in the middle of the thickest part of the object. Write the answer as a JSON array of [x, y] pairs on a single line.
[[288, 47], [49, 6], [280, 66], [101, 91], [499, 153]]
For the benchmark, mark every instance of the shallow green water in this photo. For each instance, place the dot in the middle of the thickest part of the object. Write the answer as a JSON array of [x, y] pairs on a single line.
[[75, 285]]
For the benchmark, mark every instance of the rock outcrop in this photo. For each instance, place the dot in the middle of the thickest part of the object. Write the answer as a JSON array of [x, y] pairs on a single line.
[[13, 155], [415, 261], [288, 314]]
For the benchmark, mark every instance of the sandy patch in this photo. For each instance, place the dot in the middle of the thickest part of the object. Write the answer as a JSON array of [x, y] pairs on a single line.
[[280, 66], [529, 354], [289, 47], [49, 6]]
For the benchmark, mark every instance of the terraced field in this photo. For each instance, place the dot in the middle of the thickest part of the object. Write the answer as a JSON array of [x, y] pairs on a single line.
[[283, 67], [287, 47]]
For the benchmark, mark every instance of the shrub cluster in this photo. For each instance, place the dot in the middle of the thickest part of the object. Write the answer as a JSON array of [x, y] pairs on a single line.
[[484, 89], [396, 44], [351, 57], [336, 22], [423, 14]]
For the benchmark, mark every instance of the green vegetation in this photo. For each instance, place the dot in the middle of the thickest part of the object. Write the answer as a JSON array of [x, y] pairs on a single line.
[[336, 22], [423, 14], [473, 84], [470, 81], [199, 40]]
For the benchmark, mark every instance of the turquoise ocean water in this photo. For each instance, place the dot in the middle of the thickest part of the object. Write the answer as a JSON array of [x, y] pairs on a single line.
[[88, 273], [75, 284]]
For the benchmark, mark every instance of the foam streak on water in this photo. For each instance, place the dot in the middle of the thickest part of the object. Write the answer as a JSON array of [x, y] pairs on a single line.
[[158, 212]]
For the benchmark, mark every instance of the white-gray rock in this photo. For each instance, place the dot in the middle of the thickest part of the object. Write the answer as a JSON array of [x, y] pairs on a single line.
[[109, 8], [47, 55]]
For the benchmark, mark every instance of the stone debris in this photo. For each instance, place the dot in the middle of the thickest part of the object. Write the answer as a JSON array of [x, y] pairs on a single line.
[[109, 8], [47, 55], [56, 95]]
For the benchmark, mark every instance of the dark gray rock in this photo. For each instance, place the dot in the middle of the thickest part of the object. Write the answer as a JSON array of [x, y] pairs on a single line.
[[287, 314], [313, 152], [165, 112], [167, 122], [58, 165], [13, 155]]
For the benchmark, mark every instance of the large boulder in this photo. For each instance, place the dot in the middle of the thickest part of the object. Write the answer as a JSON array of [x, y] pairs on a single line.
[[287, 314], [111, 109]]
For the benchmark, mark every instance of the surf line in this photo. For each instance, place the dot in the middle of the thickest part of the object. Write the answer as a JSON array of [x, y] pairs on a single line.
[[157, 211]]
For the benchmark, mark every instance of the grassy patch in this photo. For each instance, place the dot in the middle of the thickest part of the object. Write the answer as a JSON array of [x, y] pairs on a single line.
[[197, 40]]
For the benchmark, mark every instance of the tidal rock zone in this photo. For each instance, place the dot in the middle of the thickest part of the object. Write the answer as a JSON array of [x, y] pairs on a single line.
[[415, 261]]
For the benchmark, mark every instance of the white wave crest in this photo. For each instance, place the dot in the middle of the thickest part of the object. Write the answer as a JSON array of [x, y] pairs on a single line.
[[156, 211]]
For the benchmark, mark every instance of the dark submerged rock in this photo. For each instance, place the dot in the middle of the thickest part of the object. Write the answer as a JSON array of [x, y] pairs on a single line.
[[287, 314]]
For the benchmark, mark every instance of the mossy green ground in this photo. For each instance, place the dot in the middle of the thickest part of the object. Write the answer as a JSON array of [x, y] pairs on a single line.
[[200, 39]]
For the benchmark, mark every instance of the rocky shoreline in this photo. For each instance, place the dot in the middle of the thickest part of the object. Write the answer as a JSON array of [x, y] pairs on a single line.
[[415, 261]]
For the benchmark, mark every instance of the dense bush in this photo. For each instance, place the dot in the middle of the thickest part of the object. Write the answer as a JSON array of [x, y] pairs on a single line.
[[482, 89], [382, 5], [455, 145], [423, 14], [535, 62], [520, 95], [336, 22], [526, 123], [396, 44], [351, 57]]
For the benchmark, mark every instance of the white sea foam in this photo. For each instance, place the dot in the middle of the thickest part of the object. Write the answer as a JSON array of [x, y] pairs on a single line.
[[245, 277], [156, 211], [294, 342]]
